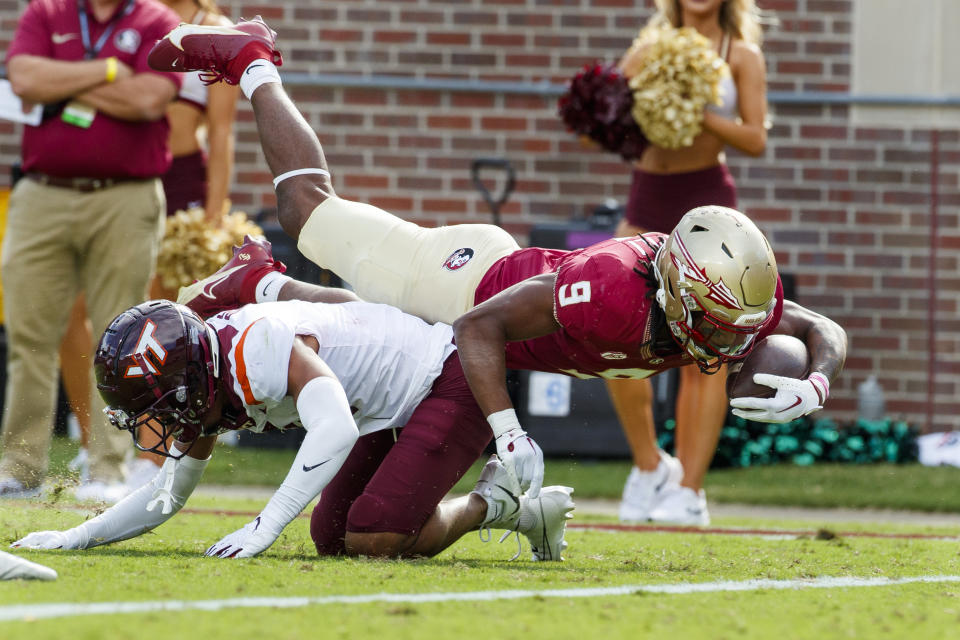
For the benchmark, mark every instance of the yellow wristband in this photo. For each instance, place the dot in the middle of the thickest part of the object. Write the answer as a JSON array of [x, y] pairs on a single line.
[[111, 69]]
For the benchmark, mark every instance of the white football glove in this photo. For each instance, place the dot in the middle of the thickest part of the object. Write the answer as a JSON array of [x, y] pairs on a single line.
[[518, 452], [246, 542], [794, 398], [69, 539]]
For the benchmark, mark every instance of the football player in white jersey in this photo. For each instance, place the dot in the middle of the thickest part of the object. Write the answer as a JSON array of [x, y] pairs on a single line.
[[380, 394]]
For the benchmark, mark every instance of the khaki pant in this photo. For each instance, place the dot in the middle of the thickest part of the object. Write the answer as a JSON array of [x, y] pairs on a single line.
[[59, 242], [389, 260]]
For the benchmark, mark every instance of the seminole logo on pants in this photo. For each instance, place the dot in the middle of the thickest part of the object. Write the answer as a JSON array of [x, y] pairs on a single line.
[[458, 258]]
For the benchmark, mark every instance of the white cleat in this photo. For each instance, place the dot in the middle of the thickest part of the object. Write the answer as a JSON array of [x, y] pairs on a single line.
[[81, 464], [643, 488], [543, 520], [13, 567]]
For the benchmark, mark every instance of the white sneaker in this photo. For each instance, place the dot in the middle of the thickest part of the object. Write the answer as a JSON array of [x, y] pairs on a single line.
[[73, 427], [501, 491], [13, 567], [683, 506], [98, 491], [81, 464], [642, 489], [543, 520], [13, 488], [139, 472]]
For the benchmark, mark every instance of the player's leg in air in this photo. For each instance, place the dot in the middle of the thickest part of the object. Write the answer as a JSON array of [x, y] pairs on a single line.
[[384, 258]]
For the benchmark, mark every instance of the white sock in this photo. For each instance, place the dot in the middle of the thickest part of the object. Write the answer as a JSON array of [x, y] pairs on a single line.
[[527, 518], [270, 285], [258, 72]]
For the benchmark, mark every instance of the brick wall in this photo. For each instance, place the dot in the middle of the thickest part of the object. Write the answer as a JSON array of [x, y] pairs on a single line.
[[847, 207]]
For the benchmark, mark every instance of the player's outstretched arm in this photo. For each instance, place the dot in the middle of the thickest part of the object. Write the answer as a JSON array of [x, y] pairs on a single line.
[[146, 508], [309, 292], [521, 312], [826, 343], [331, 432], [825, 339]]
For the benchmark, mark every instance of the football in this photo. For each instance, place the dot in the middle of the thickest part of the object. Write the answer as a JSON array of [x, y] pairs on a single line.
[[777, 354]]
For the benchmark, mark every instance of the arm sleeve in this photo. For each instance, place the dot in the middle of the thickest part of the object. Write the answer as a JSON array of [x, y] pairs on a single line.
[[129, 517], [331, 432]]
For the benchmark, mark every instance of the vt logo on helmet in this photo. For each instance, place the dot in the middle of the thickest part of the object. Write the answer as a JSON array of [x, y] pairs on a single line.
[[147, 344], [156, 367], [718, 283]]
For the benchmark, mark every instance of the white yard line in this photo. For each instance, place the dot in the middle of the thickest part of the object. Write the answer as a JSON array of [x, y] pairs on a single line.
[[62, 610]]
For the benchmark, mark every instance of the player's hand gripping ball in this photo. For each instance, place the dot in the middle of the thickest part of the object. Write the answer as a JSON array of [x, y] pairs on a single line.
[[776, 354], [772, 383]]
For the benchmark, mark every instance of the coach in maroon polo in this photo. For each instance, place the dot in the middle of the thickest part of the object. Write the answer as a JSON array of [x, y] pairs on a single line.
[[88, 215]]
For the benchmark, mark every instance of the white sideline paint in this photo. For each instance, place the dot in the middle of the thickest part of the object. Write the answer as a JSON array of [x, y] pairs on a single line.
[[63, 610]]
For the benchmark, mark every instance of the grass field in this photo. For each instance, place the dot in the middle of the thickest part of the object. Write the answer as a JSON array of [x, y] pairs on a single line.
[[844, 580], [883, 486]]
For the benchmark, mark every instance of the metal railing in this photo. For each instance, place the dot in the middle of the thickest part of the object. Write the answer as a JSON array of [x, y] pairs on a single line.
[[553, 89]]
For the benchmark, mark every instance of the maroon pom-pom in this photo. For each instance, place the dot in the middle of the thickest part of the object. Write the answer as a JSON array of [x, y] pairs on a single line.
[[597, 104]]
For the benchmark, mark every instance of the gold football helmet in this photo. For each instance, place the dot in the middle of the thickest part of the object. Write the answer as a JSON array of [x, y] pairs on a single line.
[[718, 280]]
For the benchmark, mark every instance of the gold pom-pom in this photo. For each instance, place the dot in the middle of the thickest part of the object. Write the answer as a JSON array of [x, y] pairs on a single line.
[[679, 76], [193, 249]]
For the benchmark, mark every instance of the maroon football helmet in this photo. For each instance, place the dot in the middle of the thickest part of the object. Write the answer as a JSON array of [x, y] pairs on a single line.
[[156, 367]]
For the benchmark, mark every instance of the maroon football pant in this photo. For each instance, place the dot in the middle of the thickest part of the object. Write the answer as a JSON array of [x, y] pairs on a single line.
[[388, 486]]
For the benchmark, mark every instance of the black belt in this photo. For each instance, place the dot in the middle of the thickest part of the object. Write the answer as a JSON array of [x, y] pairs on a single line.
[[84, 185]]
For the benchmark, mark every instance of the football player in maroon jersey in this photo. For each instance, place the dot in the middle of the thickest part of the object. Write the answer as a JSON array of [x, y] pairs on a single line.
[[626, 307]]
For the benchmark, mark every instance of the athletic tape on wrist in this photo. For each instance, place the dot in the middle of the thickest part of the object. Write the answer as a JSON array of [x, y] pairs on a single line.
[[503, 421], [269, 287]]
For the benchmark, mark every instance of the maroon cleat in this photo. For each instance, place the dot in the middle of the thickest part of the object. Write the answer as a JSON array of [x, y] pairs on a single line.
[[222, 52], [235, 283]]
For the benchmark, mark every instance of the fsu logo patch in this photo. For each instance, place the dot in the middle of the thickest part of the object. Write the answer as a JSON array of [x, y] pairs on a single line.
[[127, 40], [458, 258]]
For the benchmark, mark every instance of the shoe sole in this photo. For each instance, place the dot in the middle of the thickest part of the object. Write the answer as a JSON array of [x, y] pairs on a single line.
[[176, 36], [198, 289]]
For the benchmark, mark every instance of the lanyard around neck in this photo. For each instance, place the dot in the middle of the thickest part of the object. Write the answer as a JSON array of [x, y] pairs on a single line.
[[91, 51]]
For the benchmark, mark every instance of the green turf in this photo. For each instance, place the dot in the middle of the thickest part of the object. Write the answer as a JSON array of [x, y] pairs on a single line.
[[166, 565], [911, 486]]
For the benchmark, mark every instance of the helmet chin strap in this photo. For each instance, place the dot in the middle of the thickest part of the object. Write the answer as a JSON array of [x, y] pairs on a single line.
[[151, 379], [214, 349], [661, 294]]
